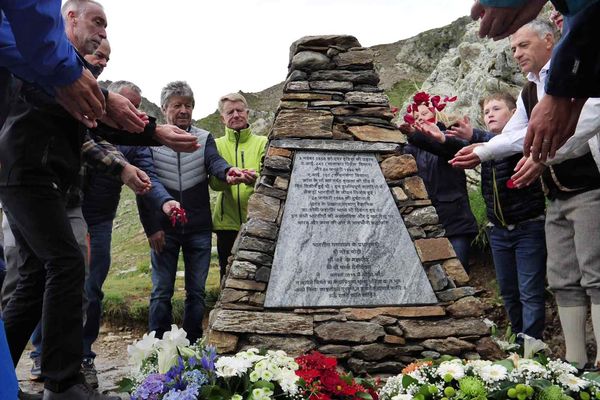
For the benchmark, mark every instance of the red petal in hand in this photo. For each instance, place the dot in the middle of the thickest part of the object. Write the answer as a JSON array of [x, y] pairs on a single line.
[[232, 172], [510, 184], [409, 119]]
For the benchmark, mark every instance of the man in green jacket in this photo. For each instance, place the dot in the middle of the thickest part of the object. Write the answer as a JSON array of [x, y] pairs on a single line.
[[242, 149]]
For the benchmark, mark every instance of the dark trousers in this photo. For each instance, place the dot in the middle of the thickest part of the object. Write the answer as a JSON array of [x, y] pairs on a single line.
[[50, 284], [462, 248], [196, 259], [100, 239], [225, 240], [520, 262]]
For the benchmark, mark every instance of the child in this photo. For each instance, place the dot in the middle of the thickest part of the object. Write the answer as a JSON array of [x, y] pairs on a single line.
[[516, 219]]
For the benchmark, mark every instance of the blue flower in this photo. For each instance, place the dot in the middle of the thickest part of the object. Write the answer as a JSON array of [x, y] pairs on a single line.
[[189, 393], [209, 355], [195, 377], [193, 361], [173, 376], [150, 388]]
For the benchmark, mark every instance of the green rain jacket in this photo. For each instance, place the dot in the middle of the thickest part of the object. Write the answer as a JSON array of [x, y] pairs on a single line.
[[243, 150]]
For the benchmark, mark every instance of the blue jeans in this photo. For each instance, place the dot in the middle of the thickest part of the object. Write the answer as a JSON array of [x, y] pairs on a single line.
[[100, 240], [196, 248], [36, 341], [462, 248], [520, 262]]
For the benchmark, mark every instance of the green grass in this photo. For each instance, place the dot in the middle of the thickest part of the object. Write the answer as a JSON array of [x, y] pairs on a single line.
[[401, 91], [128, 285], [479, 211]]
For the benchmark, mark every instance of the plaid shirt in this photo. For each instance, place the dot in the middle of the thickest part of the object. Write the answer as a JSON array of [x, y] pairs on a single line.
[[101, 156]]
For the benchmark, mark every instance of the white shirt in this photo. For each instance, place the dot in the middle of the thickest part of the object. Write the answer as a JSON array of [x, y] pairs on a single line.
[[511, 140]]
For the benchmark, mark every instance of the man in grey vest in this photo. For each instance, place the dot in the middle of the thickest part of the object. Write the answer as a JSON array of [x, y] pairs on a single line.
[[185, 176]]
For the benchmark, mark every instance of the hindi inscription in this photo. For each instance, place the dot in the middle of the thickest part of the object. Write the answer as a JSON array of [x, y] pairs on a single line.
[[342, 241]]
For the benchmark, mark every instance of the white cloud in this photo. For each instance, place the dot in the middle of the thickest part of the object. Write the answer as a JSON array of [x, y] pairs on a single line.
[[226, 46]]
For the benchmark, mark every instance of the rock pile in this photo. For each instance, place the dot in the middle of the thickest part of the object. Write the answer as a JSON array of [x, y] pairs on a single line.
[[331, 102]]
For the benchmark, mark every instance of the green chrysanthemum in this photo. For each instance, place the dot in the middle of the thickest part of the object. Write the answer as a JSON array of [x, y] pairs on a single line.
[[552, 393], [472, 387]]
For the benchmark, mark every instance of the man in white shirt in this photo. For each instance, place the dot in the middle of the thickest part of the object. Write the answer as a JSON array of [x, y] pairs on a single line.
[[572, 183]]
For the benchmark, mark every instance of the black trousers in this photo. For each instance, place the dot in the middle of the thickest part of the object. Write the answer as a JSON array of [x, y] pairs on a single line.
[[225, 241], [50, 284]]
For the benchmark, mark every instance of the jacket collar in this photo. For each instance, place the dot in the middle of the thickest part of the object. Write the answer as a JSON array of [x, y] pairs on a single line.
[[240, 136]]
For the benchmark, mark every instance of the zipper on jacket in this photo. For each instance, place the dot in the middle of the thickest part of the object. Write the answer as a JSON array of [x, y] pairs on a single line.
[[180, 186], [237, 142]]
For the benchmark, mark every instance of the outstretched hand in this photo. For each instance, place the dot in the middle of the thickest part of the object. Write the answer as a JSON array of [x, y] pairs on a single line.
[[124, 115], [136, 179], [462, 129], [236, 176], [83, 99], [466, 158], [176, 138], [432, 130], [499, 22], [553, 121], [527, 171]]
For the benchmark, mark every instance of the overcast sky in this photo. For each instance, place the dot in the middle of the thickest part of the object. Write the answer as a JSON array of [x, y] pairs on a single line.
[[225, 46]]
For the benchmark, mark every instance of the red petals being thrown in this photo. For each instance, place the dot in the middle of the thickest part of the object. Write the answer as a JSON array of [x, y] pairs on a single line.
[[409, 119], [450, 99], [421, 98], [511, 184], [178, 214]]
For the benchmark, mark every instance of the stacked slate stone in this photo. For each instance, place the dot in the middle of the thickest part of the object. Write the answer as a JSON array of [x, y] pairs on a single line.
[[331, 102]]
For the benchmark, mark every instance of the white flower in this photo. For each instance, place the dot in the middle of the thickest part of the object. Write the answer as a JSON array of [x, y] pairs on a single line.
[[167, 357], [560, 367], [489, 323], [175, 337], [493, 373], [402, 397], [532, 345], [236, 397], [455, 369], [572, 382], [287, 380], [141, 349], [476, 365], [254, 376], [266, 376], [231, 366]]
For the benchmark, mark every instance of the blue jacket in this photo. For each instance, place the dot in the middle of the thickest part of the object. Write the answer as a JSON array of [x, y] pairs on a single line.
[[447, 186], [33, 43], [102, 192]]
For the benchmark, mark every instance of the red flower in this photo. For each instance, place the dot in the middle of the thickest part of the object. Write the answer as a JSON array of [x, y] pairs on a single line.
[[449, 99], [331, 381], [308, 374], [510, 184], [178, 214], [421, 98], [409, 119]]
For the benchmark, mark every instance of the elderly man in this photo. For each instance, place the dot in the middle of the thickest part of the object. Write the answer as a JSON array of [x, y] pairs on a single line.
[[240, 148], [185, 176], [572, 183], [100, 58], [40, 150]]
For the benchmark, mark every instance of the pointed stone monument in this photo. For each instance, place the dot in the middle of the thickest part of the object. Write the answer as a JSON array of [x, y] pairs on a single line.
[[343, 251]]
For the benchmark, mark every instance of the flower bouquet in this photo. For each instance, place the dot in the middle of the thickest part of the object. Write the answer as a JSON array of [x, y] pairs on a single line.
[[320, 380], [169, 368], [172, 369], [512, 378]]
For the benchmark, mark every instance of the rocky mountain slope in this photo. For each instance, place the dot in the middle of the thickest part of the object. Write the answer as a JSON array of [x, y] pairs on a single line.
[[450, 60]]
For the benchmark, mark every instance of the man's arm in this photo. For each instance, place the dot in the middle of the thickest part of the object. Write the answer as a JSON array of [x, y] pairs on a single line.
[[158, 195], [215, 164], [588, 126], [500, 18], [34, 42], [102, 156]]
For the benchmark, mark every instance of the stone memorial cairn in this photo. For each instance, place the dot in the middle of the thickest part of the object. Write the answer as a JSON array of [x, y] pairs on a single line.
[[333, 121]]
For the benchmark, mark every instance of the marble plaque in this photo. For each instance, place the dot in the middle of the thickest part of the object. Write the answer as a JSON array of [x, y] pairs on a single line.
[[342, 241]]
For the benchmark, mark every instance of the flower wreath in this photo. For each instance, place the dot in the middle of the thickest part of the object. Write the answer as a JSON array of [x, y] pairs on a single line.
[[434, 103]]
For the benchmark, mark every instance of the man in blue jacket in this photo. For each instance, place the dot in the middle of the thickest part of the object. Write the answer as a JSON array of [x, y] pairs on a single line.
[[185, 176]]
